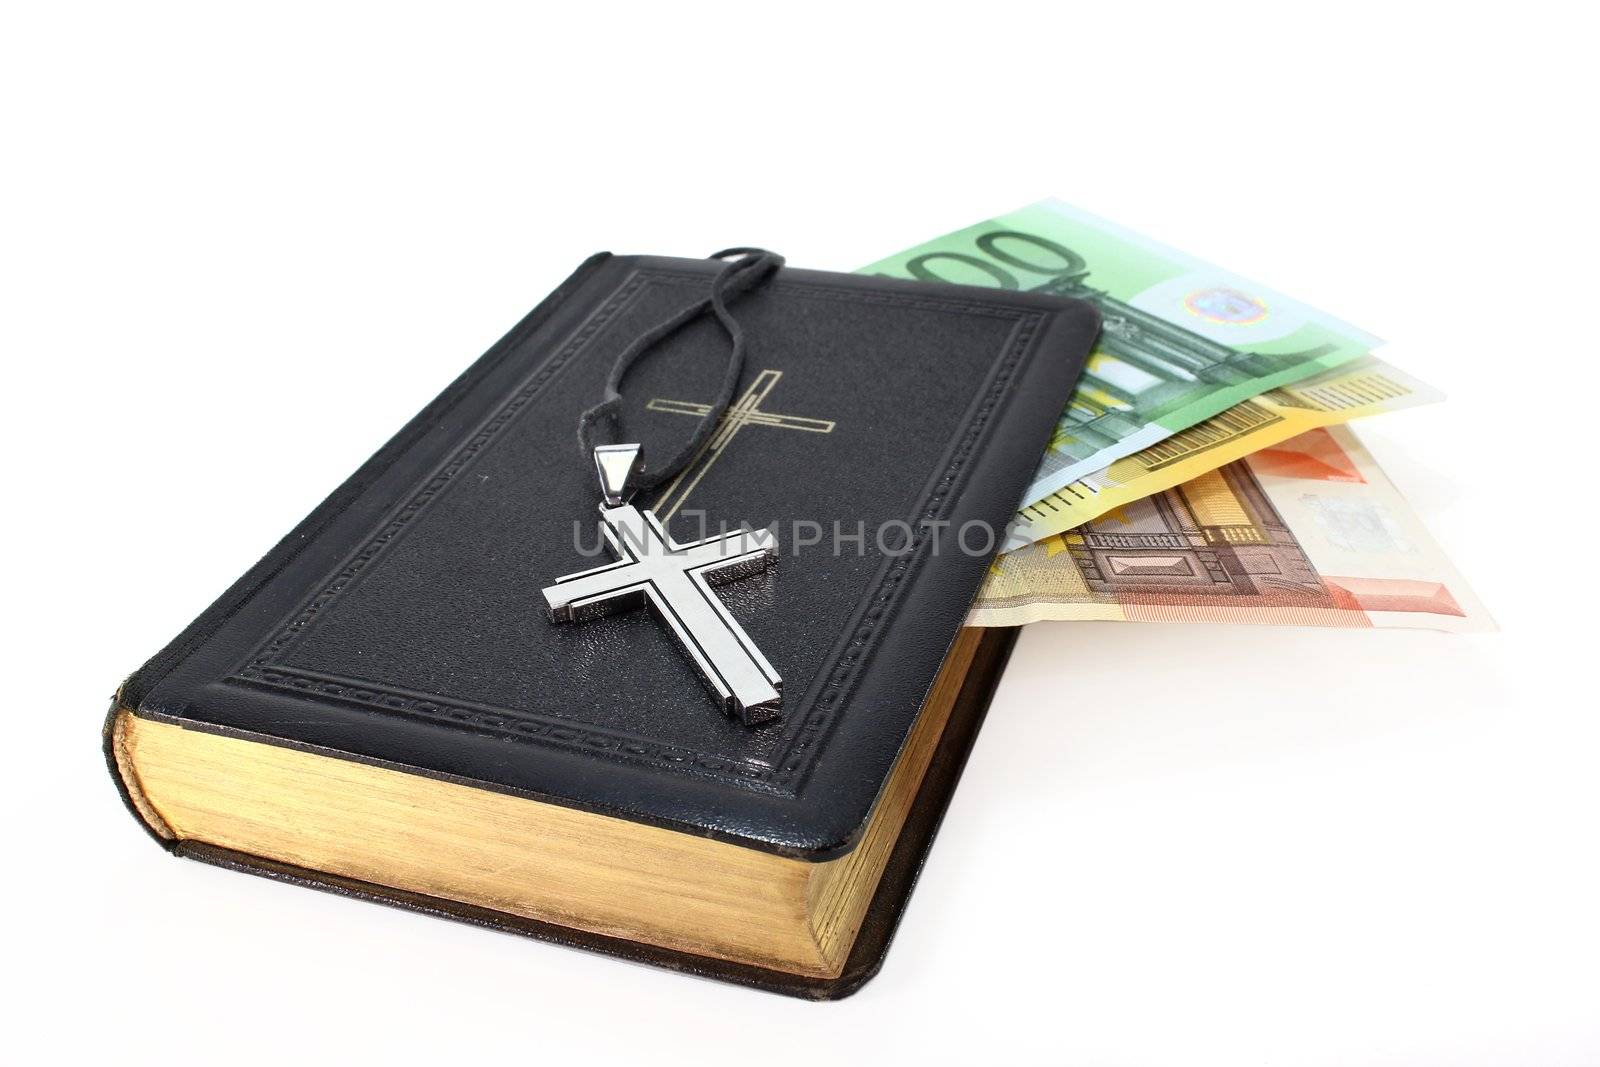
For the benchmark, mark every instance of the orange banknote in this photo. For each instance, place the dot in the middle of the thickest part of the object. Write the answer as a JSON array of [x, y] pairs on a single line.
[[1307, 532]]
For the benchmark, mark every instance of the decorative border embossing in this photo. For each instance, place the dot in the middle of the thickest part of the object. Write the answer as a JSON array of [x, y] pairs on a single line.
[[264, 668]]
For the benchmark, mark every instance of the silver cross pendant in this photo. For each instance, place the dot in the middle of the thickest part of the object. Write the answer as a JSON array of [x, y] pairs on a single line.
[[675, 581]]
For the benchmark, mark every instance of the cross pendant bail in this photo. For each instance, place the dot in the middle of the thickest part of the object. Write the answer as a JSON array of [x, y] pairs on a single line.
[[616, 465]]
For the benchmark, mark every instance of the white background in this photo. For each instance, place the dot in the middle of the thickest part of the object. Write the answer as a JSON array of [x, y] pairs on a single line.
[[240, 248]]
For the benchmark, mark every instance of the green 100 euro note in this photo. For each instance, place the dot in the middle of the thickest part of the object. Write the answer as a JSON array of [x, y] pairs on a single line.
[[1182, 340]]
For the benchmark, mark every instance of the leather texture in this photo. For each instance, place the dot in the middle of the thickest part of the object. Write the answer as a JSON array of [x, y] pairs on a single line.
[[402, 623]]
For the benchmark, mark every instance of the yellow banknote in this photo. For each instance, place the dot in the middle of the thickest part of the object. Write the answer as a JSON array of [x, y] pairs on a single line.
[[1366, 386]]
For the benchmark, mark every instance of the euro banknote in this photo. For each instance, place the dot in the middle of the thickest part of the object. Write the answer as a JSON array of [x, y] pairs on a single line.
[[1181, 341], [1362, 387], [1306, 532]]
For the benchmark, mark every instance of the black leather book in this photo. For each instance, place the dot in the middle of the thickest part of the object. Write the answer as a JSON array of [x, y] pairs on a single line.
[[383, 706]]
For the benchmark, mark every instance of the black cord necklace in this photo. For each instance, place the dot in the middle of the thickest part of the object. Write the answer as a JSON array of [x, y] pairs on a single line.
[[753, 267], [675, 579]]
